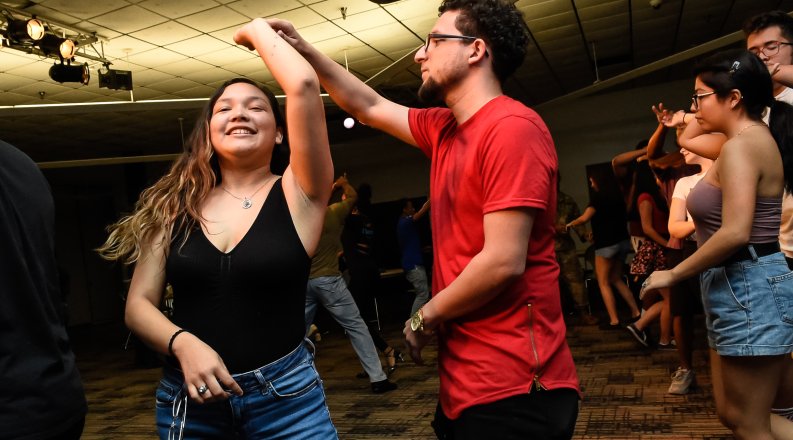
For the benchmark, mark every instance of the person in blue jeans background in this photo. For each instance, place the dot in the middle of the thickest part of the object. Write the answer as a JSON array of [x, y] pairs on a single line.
[[327, 288], [235, 241], [410, 246]]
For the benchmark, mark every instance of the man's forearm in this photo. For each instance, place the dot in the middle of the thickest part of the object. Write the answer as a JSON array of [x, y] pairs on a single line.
[[349, 92]]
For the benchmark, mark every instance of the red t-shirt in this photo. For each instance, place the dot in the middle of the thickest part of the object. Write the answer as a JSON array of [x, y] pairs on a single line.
[[502, 157]]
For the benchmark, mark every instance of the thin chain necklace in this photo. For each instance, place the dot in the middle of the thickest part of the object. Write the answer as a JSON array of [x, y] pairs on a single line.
[[749, 126], [246, 201]]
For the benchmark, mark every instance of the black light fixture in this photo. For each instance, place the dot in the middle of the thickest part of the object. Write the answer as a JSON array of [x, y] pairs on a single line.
[[24, 31], [64, 48], [115, 79], [62, 73]]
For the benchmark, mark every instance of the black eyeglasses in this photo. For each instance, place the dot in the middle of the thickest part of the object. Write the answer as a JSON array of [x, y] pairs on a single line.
[[697, 96], [769, 49], [446, 36]]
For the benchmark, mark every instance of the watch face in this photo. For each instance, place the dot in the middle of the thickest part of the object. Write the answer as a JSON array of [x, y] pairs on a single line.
[[415, 321]]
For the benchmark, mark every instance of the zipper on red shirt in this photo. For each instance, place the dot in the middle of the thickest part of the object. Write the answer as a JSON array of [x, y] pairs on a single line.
[[539, 386]]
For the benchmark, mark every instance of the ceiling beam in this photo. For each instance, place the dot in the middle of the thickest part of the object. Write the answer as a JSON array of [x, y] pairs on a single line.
[[663, 63]]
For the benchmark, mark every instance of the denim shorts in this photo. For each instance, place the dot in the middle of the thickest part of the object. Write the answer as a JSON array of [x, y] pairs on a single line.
[[618, 251], [283, 399], [749, 307]]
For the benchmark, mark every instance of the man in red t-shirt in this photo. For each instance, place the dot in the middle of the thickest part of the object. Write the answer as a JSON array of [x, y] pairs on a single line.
[[505, 368]]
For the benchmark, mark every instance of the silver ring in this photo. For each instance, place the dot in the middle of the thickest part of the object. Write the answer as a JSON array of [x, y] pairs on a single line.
[[202, 389]]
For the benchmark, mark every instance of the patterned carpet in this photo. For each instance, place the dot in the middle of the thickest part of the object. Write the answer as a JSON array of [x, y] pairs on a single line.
[[625, 390]]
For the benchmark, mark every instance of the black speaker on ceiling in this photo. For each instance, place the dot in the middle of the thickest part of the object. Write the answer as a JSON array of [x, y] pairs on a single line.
[[116, 79]]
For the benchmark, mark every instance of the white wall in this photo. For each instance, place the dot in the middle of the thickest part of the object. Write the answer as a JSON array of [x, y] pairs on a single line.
[[597, 128]]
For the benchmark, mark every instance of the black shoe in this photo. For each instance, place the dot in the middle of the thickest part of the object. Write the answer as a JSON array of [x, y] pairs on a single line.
[[640, 335], [383, 386]]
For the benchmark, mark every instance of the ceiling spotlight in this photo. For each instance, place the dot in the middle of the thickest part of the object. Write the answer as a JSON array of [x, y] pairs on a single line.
[[24, 30], [55, 45], [67, 73], [35, 29], [115, 79]]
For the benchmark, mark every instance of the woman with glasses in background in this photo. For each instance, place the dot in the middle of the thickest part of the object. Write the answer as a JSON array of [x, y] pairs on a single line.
[[746, 284]]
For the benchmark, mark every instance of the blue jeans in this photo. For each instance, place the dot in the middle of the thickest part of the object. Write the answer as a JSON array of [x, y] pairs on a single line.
[[417, 276], [281, 400], [749, 307], [332, 293]]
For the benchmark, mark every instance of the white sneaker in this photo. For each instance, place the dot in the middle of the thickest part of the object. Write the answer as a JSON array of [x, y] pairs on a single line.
[[682, 380]]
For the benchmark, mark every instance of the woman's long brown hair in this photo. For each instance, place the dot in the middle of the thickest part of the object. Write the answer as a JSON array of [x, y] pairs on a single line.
[[173, 203]]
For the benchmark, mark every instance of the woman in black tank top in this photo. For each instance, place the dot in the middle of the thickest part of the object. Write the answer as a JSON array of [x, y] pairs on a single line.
[[235, 240]]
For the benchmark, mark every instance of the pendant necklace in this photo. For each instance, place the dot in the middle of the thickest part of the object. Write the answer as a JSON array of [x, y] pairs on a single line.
[[246, 201]]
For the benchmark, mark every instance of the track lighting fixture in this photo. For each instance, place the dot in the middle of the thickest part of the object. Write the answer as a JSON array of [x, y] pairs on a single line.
[[62, 73], [24, 31], [47, 38], [64, 48]]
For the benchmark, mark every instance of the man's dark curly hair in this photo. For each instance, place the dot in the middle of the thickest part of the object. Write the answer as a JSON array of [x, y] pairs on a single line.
[[500, 24], [767, 19]]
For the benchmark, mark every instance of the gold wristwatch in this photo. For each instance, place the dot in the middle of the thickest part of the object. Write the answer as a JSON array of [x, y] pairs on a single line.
[[417, 321]]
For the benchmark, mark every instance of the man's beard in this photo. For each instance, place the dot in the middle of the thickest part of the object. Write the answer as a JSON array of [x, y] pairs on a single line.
[[430, 91]]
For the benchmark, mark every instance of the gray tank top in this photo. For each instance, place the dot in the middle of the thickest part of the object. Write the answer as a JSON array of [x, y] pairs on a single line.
[[704, 204]]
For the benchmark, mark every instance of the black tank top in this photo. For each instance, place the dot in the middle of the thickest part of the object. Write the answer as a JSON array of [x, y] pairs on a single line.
[[247, 304]]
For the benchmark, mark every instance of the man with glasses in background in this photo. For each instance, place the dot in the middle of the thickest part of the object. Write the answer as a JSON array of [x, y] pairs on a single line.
[[769, 36], [505, 368]]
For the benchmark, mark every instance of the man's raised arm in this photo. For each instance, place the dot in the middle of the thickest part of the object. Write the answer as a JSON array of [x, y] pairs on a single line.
[[349, 92]]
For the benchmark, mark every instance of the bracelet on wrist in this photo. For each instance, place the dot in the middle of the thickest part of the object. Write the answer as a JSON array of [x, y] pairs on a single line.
[[170, 342]]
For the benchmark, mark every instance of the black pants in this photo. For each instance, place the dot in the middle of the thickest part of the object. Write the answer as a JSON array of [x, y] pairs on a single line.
[[540, 415]]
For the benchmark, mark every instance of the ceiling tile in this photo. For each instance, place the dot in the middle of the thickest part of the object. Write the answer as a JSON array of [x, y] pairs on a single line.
[[258, 8], [199, 91], [301, 18], [46, 13], [10, 98], [165, 33], [177, 8], [320, 32], [85, 8], [155, 57], [389, 38], [224, 57], [129, 19], [364, 20], [408, 9], [331, 9], [246, 67], [209, 75], [125, 45], [173, 85], [189, 65], [149, 76], [199, 45], [214, 19]]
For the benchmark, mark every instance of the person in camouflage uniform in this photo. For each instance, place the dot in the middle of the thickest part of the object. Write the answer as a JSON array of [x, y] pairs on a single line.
[[570, 272]]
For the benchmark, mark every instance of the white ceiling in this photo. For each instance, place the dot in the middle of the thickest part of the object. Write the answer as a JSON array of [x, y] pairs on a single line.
[[178, 49]]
